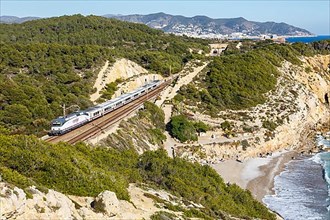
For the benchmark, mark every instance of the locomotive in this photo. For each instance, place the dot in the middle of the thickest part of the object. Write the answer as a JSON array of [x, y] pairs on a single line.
[[64, 124]]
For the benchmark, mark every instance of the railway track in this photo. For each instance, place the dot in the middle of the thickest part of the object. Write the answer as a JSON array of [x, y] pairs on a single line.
[[99, 125]]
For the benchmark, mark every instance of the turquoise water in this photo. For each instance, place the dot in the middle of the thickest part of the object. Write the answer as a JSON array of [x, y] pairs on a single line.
[[307, 39], [324, 159], [302, 190]]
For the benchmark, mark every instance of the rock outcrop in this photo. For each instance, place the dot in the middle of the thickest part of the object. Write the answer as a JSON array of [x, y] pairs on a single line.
[[297, 106], [31, 203], [106, 202], [130, 72]]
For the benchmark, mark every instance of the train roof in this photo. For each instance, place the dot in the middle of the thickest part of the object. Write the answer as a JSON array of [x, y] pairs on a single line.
[[93, 108], [63, 119], [130, 93]]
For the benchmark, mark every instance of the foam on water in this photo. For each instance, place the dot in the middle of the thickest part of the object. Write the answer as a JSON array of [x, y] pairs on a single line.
[[300, 192]]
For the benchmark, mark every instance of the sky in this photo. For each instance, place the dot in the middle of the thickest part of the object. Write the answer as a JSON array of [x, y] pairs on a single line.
[[312, 15]]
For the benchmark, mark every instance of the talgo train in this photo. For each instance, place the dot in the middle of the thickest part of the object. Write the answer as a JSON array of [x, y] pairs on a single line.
[[64, 124]]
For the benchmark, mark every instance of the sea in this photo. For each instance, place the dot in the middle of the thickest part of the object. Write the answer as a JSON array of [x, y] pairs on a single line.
[[307, 39], [302, 190]]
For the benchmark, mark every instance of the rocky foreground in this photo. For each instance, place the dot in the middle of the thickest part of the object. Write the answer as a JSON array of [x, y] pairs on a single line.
[[32, 203]]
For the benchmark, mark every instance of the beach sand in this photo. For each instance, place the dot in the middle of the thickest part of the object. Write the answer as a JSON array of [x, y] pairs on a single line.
[[256, 174]]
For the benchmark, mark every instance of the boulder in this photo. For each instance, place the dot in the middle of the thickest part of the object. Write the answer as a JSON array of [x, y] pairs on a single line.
[[107, 203]]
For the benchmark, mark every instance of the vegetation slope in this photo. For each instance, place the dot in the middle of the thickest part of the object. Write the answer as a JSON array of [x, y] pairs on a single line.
[[241, 77], [85, 171], [50, 62]]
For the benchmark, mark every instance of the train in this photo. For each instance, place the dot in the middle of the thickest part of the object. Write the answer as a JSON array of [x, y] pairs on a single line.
[[64, 124]]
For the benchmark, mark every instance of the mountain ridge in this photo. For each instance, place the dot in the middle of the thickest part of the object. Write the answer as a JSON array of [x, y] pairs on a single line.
[[199, 25], [203, 25], [14, 19]]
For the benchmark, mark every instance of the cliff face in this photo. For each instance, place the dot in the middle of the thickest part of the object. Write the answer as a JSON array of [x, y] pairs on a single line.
[[312, 84], [132, 75], [299, 104]]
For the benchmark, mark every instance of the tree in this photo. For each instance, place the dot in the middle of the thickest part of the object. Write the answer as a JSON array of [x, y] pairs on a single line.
[[181, 128], [17, 114]]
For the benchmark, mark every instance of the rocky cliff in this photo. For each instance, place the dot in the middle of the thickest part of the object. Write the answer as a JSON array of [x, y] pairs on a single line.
[[31, 203], [299, 104]]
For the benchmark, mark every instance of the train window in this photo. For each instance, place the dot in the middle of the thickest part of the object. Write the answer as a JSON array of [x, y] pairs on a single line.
[[56, 123], [96, 113]]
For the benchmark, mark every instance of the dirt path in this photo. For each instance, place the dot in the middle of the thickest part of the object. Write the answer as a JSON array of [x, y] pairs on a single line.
[[99, 83], [169, 94], [170, 91]]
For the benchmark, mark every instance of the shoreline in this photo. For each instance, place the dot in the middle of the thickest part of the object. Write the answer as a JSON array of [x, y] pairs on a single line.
[[264, 184], [255, 174]]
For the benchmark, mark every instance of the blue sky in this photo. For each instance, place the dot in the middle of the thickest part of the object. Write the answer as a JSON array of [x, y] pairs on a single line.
[[313, 15]]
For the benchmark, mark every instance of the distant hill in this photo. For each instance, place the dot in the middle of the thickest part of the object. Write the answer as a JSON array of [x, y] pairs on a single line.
[[14, 19], [197, 25], [202, 25]]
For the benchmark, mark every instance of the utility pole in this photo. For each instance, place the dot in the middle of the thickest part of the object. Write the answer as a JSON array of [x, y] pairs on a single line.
[[64, 108]]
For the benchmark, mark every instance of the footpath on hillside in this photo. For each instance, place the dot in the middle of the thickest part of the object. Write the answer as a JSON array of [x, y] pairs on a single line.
[[168, 94]]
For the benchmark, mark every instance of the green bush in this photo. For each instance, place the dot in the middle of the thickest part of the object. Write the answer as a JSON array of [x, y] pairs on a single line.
[[201, 126], [270, 125], [158, 135], [109, 90], [182, 129], [226, 126], [155, 114]]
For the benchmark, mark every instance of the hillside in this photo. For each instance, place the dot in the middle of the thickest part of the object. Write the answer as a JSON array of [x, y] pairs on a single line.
[[254, 109], [85, 171], [56, 60], [45, 63], [204, 26]]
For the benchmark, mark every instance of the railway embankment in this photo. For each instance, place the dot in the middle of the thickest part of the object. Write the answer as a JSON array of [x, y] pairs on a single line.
[[135, 130], [129, 74]]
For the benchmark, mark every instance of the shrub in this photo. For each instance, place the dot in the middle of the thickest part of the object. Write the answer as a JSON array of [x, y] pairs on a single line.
[[155, 114], [182, 129], [201, 126], [158, 135], [226, 126], [270, 125]]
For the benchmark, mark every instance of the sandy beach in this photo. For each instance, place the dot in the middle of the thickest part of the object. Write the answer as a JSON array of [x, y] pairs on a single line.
[[255, 174]]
